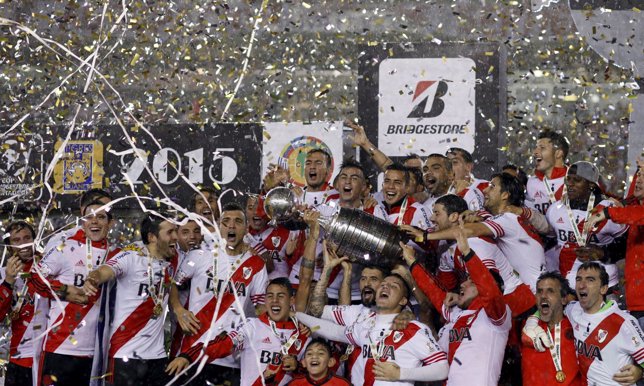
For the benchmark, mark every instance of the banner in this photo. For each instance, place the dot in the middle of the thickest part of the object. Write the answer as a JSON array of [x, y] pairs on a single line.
[[286, 144], [159, 164], [424, 98], [21, 165]]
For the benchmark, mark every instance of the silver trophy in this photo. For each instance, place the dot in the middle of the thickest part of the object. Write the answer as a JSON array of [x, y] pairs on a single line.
[[364, 238]]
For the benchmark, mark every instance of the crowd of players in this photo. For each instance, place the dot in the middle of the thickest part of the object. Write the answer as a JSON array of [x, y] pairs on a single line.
[[511, 280]]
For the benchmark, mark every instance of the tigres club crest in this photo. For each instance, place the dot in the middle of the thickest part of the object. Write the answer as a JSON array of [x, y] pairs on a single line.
[[294, 155], [80, 167]]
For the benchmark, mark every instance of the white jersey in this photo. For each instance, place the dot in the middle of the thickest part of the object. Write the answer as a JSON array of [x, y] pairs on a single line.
[[451, 262], [69, 263], [409, 348], [538, 196], [476, 345], [313, 199], [411, 213], [606, 341], [607, 231], [347, 315], [241, 280], [472, 195], [136, 333], [272, 240], [261, 342], [520, 244], [58, 238]]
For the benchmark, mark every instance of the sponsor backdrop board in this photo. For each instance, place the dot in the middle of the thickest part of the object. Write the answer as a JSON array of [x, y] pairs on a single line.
[[426, 98], [223, 155], [21, 165], [286, 144]]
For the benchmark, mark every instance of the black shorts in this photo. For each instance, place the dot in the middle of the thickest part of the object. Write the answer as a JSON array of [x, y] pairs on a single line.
[[17, 375], [138, 372], [64, 370]]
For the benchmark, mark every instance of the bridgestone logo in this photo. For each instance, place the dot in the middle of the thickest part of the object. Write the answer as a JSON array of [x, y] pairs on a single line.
[[424, 88]]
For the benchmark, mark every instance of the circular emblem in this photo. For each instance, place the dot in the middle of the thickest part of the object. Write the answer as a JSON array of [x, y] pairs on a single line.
[[294, 155]]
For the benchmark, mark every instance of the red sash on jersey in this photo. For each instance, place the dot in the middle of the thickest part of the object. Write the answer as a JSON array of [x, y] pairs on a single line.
[[135, 322], [465, 321], [294, 350], [74, 314], [408, 333], [205, 315], [610, 326]]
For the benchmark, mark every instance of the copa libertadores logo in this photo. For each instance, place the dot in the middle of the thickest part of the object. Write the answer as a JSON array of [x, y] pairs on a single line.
[[426, 105]]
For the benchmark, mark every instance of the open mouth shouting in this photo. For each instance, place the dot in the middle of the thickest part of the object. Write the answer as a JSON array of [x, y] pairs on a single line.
[[231, 237], [544, 308], [367, 295]]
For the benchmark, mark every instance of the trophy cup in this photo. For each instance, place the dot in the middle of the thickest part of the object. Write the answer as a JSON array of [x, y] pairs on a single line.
[[364, 238]]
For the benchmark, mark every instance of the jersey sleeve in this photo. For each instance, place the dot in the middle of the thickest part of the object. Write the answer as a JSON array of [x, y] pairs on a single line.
[[633, 339], [425, 348], [489, 292], [342, 315], [120, 264], [428, 284], [631, 214], [445, 274], [188, 267], [258, 286], [500, 226], [6, 295], [48, 267]]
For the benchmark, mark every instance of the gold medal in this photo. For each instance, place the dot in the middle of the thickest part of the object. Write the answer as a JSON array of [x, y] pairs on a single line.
[[14, 314], [157, 310], [560, 376]]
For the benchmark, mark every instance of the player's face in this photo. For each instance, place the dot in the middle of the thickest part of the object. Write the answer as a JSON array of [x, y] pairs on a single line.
[[391, 296], [549, 300], [467, 293], [370, 280], [207, 206], [316, 171], [96, 223], [590, 291], [233, 228], [257, 219], [278, 302], [414, 163], [492, 195], [544, 155], [103, 200], [394, 186], [22, 244], [350, 184], [639, 185], [166, 241], [460, 168], [440, 217], [578, 188], [189, 236], [436, 175], [317, 361]]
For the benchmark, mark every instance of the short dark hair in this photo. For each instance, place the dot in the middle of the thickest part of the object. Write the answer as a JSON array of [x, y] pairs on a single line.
[[400, 168], [233, 206], [16, 226], [203, 189], [322, 342], [411, 156], [97, 203], [446, 162], [417, 173], [521, 175], [558, 140], [563, 283], [452, 203], [92, 195], [329, 159], [282, 282], [511, 185], [593, 265], [384, 271], [352, 163], [466, 155], [150, 225]]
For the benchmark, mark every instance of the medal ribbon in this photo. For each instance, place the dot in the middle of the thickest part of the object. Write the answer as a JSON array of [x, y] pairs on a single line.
[[551, 193], [555, 351], [377, 348], [582, 238], [401, 213], [155, 294], [286, 345]]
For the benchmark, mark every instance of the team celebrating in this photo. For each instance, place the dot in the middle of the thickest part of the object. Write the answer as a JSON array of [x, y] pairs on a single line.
[[513, 280]]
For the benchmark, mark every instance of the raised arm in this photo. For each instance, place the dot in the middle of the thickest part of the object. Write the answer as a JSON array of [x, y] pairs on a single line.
[[307, 265], [360, 139], [427, 283], [324, 328], [97, 277]]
